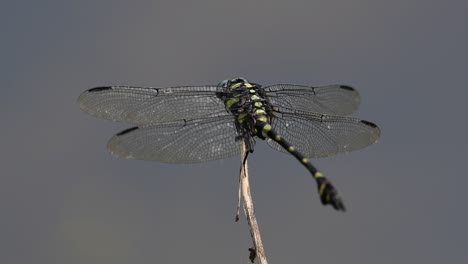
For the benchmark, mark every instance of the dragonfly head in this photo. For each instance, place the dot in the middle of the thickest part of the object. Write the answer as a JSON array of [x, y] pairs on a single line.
[[233, 83]]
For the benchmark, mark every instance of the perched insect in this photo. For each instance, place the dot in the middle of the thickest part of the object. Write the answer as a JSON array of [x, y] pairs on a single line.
[[190, 124]]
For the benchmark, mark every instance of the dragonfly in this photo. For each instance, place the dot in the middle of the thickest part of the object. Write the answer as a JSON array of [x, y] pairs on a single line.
[[190, 124]]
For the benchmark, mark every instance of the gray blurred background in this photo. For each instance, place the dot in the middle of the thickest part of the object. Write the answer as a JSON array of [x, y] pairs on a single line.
[[65, 199]]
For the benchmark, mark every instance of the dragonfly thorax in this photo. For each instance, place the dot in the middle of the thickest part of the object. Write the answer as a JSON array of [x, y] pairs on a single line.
[[248, 103]]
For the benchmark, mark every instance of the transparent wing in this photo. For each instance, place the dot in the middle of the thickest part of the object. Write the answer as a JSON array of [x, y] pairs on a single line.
[[179, 142], [145, 105], [317, 135], [331, 100]]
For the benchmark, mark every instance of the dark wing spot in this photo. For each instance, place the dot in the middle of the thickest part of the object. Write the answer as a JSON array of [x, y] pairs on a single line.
[[98, 89], [126, 131], [346, 87], [368, 123]]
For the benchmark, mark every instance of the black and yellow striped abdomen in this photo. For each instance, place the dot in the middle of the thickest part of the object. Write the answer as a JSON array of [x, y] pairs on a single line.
[[327, 192]]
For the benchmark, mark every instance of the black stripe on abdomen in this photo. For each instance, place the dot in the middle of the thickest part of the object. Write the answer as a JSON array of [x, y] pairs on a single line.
[[328, 193], [265, 130]]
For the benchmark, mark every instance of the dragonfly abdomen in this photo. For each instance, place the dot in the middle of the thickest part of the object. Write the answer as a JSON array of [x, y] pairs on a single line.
[[328, 193]]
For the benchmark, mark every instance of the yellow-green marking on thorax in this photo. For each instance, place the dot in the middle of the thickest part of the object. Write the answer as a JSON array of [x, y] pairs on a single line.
[[241, 117], [232, 101]]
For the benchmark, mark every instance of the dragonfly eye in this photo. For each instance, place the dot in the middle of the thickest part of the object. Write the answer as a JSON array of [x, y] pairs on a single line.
[[224, 83], [230, 83], [238, 80], [235, 82]]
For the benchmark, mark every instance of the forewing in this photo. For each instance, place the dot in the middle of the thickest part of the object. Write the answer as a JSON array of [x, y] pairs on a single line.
[[145, 105], [331, 100], [179, 142], [316, 135]]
